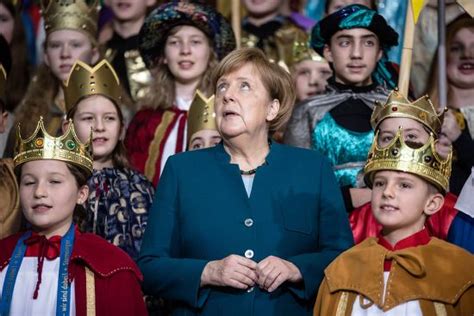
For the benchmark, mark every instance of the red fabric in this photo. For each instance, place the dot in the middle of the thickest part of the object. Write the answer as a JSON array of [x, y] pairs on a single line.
[[140, 134], [364, 225], [117, 278], [417, 239]]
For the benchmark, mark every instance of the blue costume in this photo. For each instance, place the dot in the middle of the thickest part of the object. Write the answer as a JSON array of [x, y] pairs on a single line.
[[202, 213]]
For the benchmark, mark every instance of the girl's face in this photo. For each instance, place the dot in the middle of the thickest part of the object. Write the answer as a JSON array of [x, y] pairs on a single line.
[[7, 23], [64, 48], [187, 53], [204, 139], [99, 114], [49, 194], [460, 66]]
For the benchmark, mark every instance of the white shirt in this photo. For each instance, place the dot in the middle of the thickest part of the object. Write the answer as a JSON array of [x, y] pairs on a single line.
[[23, 303], [170, 144]]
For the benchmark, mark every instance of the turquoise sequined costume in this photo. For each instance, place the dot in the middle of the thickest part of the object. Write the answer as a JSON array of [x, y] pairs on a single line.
[[346, 150]]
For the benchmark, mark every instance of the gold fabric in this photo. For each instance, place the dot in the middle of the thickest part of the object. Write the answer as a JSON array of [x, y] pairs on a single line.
[[10, 212], [437, 272]]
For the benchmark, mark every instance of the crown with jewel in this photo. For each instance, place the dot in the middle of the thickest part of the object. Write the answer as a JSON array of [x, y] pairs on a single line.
[[80, 15], [84, 81], [40, 145], [302, 51], [201, 114], [3, 83], [421, 110], [398, 156]]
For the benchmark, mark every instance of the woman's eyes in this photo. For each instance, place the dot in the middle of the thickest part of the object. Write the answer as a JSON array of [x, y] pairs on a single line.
[[245, 86]]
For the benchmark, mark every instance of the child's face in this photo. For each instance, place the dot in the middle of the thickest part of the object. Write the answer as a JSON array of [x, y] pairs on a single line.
[[310, 78], [354, 54], [412, 130], [49, 194], [187, 53], [262, 8], [64, 48], [7, 23], [336, 5], [204, 138], [401, 201], [100, 114], [129, 10], [460, 65]]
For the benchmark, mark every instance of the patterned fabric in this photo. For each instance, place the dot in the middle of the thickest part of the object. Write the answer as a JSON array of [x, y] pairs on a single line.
[[346, 150], [117, 207], [358, 16], [160, 21]]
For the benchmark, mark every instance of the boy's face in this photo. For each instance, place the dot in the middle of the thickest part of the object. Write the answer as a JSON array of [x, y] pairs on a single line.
[[204, 139], [412, 130], [129, 10], [49, 194], [401, 201], [354, 54], [310, 78], [259, 8]]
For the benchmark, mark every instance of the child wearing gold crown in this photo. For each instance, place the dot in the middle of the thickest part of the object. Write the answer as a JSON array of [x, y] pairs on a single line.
[[117, 208], [402, 271], [71, 28], [181, 42], [52, 268], [202, 129], [418, 119]]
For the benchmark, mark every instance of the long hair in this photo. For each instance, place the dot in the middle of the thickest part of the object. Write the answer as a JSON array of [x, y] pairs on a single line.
[[463, 21], [19, 75], [162, 91], [119, 154]]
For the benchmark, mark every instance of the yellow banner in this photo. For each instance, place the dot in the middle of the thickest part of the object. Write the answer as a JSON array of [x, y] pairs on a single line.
[[417, 6], [468, 6]]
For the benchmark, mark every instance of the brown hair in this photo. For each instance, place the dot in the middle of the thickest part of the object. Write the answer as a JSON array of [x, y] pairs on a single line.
[[119, 154], [277, 81], [162, 91], [461, 22], [19, 75]]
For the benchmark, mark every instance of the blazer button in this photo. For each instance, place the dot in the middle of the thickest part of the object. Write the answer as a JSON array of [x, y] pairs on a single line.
[[248, 222], [249, 253]]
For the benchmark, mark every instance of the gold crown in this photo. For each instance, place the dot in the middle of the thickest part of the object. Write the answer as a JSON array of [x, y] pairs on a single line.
[[398, 156], [3, 83], [80, 15], [84, 81], [201, 114], [421, 110], [302, 51], [41, 145]]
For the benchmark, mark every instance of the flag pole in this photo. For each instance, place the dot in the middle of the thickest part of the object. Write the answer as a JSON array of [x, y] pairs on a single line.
[[442, 89], [236, 23], [407, 51]]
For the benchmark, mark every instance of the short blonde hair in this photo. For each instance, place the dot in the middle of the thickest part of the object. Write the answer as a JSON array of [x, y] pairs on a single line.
[[277, 81]]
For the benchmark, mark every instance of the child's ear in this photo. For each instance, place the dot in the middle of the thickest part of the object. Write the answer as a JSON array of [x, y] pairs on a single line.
[[65, 125], [83, 194], [327, 53], [434, 204]]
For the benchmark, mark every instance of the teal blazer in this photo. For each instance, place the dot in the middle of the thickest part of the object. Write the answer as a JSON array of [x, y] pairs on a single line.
[[201, 212]]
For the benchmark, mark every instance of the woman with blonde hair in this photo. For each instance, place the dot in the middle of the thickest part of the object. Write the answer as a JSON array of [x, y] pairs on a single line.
[[259, 246], [181, 43]]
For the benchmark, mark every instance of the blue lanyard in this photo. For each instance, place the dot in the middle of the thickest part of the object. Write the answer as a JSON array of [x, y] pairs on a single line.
[[64, 289]]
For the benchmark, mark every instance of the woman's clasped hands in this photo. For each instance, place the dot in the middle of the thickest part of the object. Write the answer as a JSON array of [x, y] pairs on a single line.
[[242, 273]]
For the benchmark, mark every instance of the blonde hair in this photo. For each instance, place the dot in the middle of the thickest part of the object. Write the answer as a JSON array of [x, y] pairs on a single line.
[[277, 81], [162, 90]]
